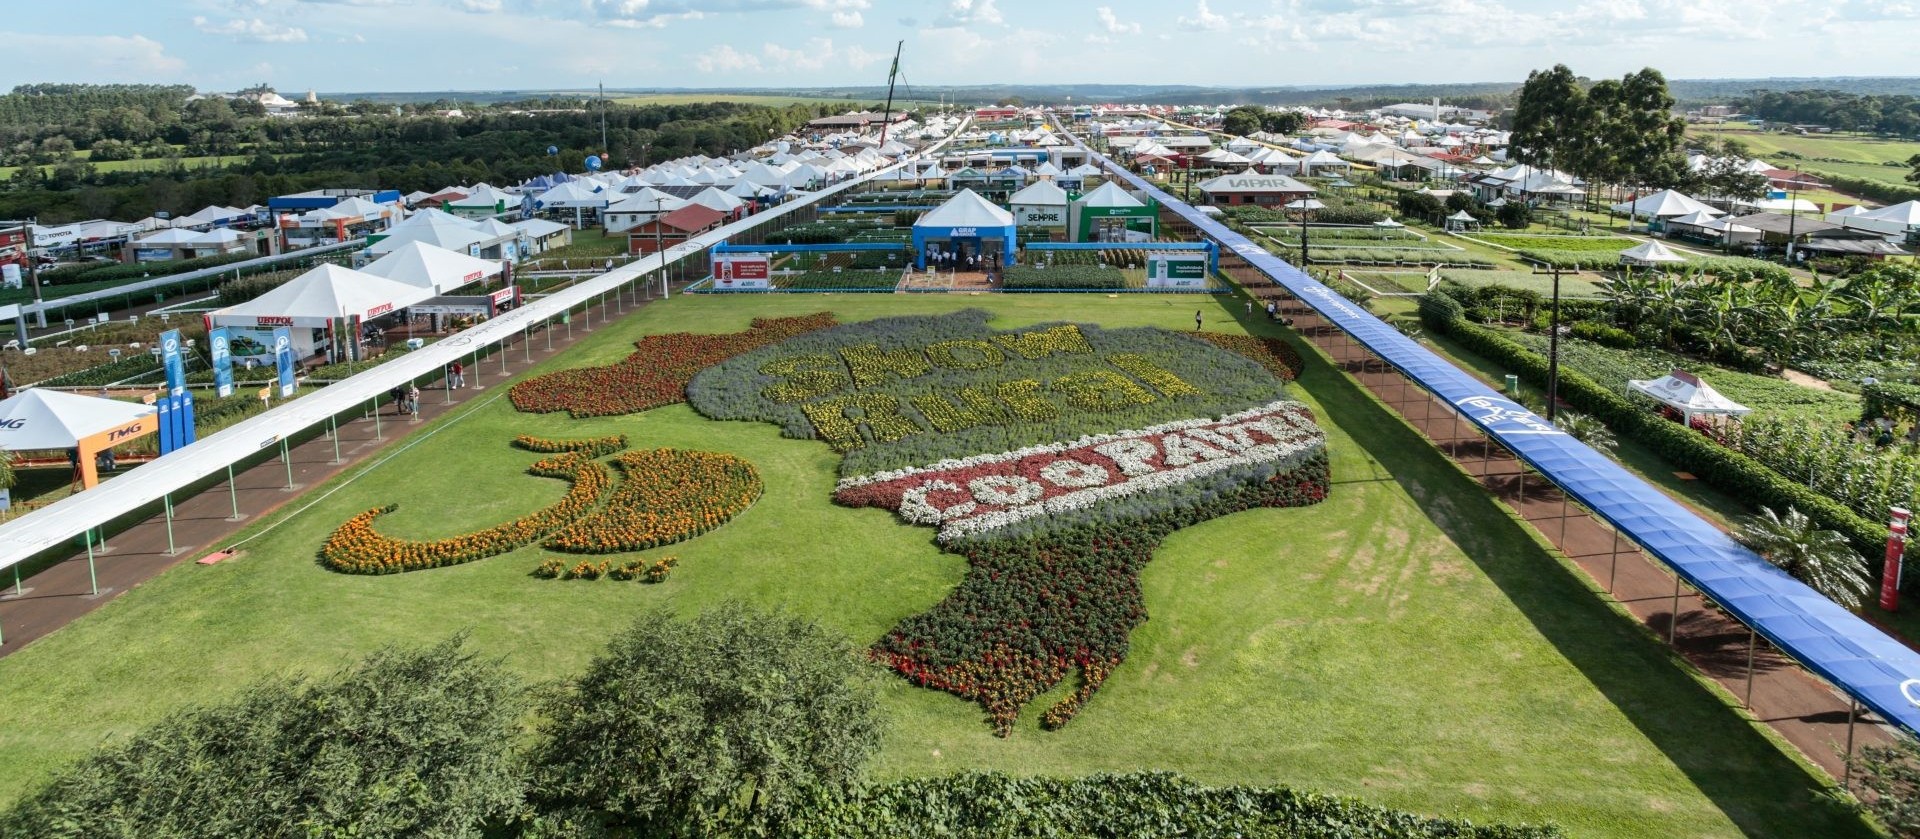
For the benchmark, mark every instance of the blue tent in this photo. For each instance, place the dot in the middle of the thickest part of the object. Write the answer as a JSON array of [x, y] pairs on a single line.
[[964, 223]]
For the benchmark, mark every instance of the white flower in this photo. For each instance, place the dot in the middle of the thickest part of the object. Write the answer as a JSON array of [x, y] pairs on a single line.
[[1076, 474], [1005, 490], [915, 508]]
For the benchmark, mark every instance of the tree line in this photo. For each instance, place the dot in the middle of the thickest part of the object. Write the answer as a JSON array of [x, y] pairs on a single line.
[[1891, 114], [359, 145], [1622, 132]]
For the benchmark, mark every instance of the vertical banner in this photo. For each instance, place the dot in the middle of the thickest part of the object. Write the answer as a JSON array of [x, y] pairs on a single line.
[[175, 360], [1896, 549], [218, 343], [164, 409], [188, 433], [283, 352]]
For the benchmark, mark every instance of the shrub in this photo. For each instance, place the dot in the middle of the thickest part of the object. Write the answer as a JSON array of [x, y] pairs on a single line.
[[1075, 277], [1729, 471], [1515, 215], [1604, 335], [986, 804]]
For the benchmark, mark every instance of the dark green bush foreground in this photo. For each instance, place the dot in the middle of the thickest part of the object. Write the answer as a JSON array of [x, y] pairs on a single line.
[[991, 805], [1729, 471], [732, 723]]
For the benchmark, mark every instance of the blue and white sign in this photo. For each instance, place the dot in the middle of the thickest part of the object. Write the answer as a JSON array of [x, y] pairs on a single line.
[[283, 352], [1504, 416], [173, 357], [220, 345]]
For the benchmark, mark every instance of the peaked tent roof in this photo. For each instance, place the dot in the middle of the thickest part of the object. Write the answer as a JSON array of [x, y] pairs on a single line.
[[453, 237], [38, 418], [330, 291], [1041, 192], [427, 266], [1109, 194], [966, 209], [1650, 253], [1664, 204], [1686, 393], [715, 198], [1907, 213], [485, 196]]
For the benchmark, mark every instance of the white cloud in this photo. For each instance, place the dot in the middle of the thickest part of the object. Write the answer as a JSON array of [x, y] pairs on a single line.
[[481, 6], [97, 58], [817, 54], [1204, 20], [1113, 24], [848, 20], [725, 59], [254, 29], [963, 12]]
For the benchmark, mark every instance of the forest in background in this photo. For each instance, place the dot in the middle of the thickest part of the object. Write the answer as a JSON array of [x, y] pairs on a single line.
[[221, 151]]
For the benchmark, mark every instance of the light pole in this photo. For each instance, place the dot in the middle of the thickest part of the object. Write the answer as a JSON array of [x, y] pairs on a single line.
[[659, 248], [1553, 348], [1304, 206]]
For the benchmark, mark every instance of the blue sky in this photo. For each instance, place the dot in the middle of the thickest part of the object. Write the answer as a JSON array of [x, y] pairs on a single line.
[[342, 45]]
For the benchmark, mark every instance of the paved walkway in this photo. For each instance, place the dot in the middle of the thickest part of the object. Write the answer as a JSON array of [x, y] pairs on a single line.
[[1805, 711], [208, 521]]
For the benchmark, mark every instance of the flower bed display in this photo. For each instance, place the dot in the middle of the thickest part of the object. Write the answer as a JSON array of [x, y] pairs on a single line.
[[357, 548], [1276, 354], [666, 496], [655, 374], [1097, 444]]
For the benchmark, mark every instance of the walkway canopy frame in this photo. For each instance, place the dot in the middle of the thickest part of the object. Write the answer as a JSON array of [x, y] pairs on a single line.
[[1835, 644]]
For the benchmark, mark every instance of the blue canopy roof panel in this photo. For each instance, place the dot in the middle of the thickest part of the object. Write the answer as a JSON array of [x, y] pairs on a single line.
[[1824, 637]]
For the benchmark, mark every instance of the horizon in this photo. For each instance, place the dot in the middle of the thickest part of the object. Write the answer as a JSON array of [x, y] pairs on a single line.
[[407, 46]]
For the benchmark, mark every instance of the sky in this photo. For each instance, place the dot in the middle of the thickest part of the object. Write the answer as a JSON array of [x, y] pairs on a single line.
[[415, 45]]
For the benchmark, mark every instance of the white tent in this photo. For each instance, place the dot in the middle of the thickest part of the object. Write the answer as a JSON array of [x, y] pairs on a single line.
[[1043, 204], [714, 198], [1666, 203], [38, 418], [1108, 194], [1684, 392], [1650, 254], [318, 297], [573, 194], [454, 234], [966, 209], [437, 269]]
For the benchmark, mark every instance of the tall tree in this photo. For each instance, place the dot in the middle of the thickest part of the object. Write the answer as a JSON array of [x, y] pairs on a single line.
[[1650, 135], [1547, 113], [409, 743], [718, 725]]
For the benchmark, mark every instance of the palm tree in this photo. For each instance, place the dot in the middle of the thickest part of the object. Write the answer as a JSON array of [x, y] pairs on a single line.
[[1586, 429], [1820, 558]]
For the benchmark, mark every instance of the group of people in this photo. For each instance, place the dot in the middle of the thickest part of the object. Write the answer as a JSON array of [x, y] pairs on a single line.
[[950, 261], [406, 400]]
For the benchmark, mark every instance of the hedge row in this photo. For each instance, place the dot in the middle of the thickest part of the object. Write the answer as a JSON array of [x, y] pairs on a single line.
[[991, 804], [114, 272], [1729, 471], [1881, 191]]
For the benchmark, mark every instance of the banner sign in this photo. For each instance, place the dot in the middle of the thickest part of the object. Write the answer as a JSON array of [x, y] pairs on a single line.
[[283, 353], [1177, 270], [173, 357], [1896, 550], [219, 343], [742, 271]]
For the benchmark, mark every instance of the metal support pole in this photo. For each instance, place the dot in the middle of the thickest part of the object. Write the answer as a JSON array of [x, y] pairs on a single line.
[[1751, 638], [168, 500], [1673, 611], [376, 419], [526, 341], [1565, 503], [503, 357], [548, 328], [333, 430], [233, 492], [286, 456], [17, 590], [1613, 559], [1853, 714], [446, 384], [586, 315], [93, 578]]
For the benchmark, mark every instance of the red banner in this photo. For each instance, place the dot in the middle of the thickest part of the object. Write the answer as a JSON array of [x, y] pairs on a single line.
[[1896, 548]]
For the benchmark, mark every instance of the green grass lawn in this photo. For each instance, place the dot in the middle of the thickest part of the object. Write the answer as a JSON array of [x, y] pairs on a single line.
[[146, 164], [590, 243], [1405, 642]]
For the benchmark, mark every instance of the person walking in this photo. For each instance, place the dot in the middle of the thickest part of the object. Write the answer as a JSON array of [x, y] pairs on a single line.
[[399, 397], [1196, 320], [413, 401], [455, 379]]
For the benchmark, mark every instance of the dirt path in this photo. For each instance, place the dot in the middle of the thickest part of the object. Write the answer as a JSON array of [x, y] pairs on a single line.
[[1803, 379]]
